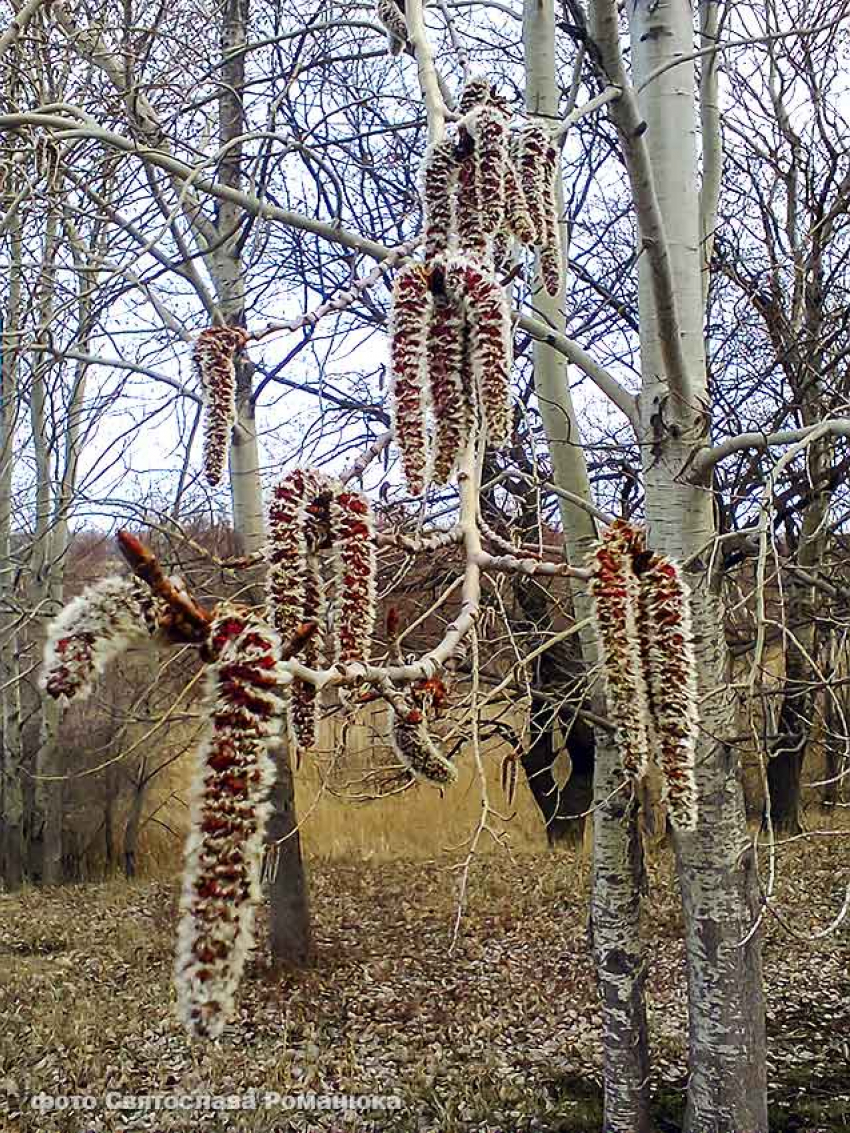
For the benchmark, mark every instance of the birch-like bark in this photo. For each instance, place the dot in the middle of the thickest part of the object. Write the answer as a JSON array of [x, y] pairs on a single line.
[[617, 850], [12, 843], [727, 1087], [46, 825], [290, 937]]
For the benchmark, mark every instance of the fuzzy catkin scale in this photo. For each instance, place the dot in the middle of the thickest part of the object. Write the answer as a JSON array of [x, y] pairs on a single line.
[[221, 886], [616, 592], [293, 589], [414, 747], [391, 17], [671, 677], [451, 386], [489, 343], [551, 257], [93, 629], [355, 572], [518, 220], [440, 170], [412, 304], [214, 358]]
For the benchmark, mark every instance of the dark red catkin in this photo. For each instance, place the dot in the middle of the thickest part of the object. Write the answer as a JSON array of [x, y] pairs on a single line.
[[214, 358], [449, 375], [355, 574], [489, 342], [294, 588], [670, 668], [411, 314], [221, 884], [440, 170]]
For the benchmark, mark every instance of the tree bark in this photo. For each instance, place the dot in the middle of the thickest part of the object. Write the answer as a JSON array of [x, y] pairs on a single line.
[[617, 850], [727, 1082], [290, 936], [12, 843]]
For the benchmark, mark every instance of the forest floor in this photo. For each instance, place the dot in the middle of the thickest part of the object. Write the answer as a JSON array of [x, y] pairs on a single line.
[[499, 1034]]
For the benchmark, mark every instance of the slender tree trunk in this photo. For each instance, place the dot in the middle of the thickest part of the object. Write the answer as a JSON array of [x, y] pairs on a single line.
[[133, 824], [290, 937], [12, 842], [617, 850], [727, 1083]]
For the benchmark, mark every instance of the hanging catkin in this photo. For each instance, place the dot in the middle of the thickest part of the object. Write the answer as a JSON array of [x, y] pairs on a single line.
[[670, 668], [294, 590], [214, 358], [391, 17], [440, 170], [450, 384], [481, 180], [551, 257], [411, 316], [489, 341], [93, 629], [221, 886], [355, 573], [414, 747], [616, 592]]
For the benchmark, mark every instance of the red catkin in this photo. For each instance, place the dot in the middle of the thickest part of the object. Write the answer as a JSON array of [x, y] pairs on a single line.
[[489, 342], [450, 384], [670, 668], [616, 593], [94, 628], [221, 885], [411, 314], [214, 360]]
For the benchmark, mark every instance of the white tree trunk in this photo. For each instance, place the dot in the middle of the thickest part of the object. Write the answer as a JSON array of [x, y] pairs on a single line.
[[290, 937], [12, 845], [726, 1091], [617, 849]]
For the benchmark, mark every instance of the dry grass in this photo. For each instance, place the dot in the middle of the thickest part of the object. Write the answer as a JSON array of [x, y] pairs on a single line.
[[502, 1034], [336, 821]]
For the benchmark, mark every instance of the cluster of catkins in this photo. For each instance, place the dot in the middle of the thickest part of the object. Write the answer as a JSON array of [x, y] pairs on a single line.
[[221, 887], [451, 335], [94, 628], [489, 185], [311, 512], [214, 358], [643, 621], [450, 353]]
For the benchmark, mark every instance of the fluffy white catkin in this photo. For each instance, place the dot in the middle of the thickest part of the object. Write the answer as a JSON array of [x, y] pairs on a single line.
[[221, 885], [97, 626]]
